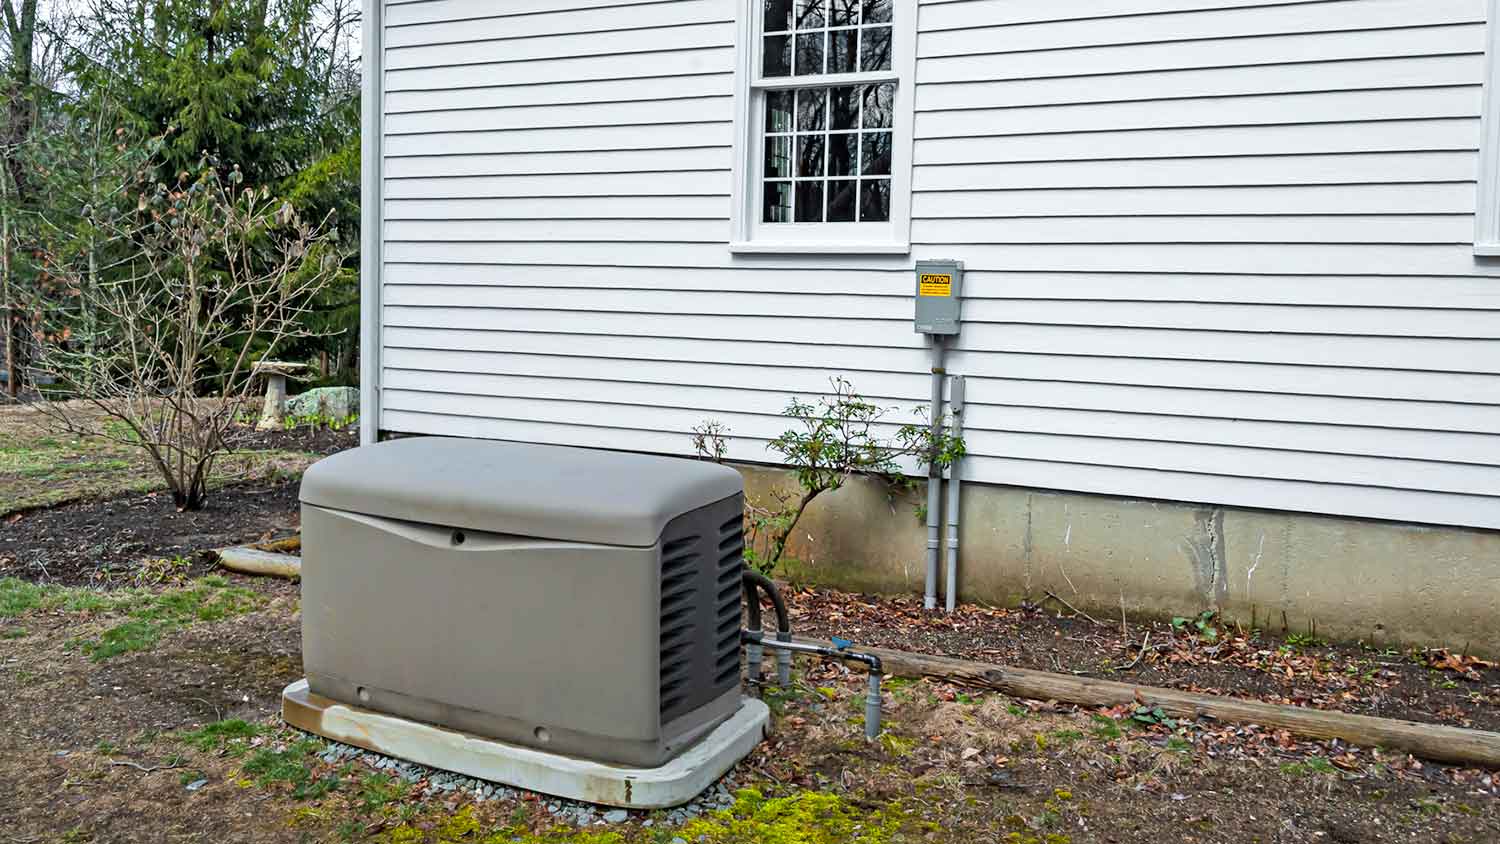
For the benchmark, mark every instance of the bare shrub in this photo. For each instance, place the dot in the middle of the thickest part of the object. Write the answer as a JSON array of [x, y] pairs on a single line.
[[215, 276]]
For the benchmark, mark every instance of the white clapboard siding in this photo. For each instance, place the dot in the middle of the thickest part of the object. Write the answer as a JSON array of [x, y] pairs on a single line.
[[1243, 200], [459, 170], [1216, 250], [1207, 53], [645, 353], [1260, 109], [560, 94], [939, 15], [1302, 77], [1450, 134], [647, 65], [571, 115], [1248, 21], [602, 183], [1208, 403], [502, 24]]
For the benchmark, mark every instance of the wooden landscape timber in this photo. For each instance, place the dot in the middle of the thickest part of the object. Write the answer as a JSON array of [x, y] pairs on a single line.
[[1436, 742]]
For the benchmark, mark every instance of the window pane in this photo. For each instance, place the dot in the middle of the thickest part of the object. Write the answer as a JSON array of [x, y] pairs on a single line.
[[843, 49], [877, 11], [843, 12], [777, 60], [777, 203], [810, 109], [844, 111], [779, 111], [875, 154], [809, 14], [778, 158], [809, 54], [841, 200], [810, 155], [874, 200], [879, 102], [843, 155], [875, 49], [778, 15], [809, 202]]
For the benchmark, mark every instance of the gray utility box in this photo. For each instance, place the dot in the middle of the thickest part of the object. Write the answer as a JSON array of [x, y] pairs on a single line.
[[582, 602], [939, 296]]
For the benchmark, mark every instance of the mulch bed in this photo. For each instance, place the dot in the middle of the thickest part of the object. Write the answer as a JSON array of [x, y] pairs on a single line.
[[102, 542], [1434, 686]]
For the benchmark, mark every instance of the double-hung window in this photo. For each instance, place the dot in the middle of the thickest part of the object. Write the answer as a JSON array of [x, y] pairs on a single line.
[[823, 146]]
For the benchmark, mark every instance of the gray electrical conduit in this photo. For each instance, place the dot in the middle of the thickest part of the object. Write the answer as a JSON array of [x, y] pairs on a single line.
[[872, 698], [934, 476], [956, 406], [755, 641], [755, 580]]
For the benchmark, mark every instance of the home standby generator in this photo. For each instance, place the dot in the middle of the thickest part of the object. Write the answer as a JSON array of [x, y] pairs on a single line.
[[560, 619]]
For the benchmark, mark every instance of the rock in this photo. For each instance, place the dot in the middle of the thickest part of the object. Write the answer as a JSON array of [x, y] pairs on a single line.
[[335, 403], [616, 816]]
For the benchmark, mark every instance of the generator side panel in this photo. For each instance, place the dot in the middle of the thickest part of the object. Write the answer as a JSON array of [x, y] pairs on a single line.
[[544, 643]]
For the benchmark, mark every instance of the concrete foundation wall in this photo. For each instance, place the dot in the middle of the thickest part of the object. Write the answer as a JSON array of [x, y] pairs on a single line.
[[1383, 583]]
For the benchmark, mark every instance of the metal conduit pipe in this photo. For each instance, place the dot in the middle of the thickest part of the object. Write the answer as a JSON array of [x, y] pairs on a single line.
[[934, 476], [783, 623], [872, 697], [956, 407]]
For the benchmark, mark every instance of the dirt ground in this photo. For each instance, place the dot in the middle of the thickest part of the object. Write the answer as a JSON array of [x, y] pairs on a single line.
[[107, 749], [139, 693]]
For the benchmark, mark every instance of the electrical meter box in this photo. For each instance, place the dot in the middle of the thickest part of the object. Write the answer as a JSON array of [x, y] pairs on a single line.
[[939, 296]]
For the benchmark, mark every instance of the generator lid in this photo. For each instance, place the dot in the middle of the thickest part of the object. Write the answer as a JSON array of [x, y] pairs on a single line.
[[543, 491]]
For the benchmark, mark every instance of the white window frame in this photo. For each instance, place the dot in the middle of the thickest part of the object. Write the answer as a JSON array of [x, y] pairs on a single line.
[[1487, 209], [748, 233]]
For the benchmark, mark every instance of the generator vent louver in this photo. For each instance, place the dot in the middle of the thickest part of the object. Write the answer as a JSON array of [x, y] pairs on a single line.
[[680, 562], [727, 601], [701, 564]]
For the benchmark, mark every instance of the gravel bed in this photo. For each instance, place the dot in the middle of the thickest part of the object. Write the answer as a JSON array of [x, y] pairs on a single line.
[[720, 795]]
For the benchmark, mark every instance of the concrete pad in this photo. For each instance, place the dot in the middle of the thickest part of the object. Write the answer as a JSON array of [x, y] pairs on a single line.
[[672, 784]]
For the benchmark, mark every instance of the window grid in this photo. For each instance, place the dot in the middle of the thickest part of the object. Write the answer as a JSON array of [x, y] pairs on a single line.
[[868, 157], [805, 38]]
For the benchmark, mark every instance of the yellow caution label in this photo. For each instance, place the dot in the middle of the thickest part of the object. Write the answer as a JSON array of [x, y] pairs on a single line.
[[935, 284]]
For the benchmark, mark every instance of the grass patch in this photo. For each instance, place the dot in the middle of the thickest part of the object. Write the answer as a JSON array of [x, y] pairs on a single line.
[[151, 614], [289, 766], [40, 468], [377, 790], [221, 734]]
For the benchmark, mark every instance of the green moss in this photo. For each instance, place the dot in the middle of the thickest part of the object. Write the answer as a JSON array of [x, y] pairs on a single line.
[[803, 818], [896, 745]]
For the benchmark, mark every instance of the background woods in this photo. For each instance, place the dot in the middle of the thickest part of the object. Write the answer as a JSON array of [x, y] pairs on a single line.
[[108, 101]]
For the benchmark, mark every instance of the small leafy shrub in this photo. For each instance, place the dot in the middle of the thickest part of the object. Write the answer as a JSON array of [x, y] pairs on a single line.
[[832, 439], [1203, 625], [1153, 716]]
